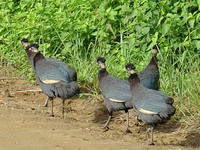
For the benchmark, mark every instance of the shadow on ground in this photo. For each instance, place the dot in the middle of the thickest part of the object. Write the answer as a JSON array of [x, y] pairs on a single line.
[[192, 139]]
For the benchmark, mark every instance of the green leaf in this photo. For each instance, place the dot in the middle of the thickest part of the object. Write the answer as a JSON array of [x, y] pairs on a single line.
[[183, 57], [165, 28], [197, 43], [112, 13], [154, 41], [191, 23], [159, 21], [145, 30]]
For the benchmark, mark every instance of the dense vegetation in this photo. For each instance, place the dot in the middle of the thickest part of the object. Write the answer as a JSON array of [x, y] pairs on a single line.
[[77, 31]]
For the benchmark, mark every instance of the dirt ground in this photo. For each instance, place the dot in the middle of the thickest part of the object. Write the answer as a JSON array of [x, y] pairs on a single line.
[[25, 125]]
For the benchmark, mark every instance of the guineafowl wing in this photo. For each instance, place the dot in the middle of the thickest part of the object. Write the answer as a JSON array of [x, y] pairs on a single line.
[[61, 65], [49, 73], [116, 90], [149, 102], [149, 77], [163, 96]]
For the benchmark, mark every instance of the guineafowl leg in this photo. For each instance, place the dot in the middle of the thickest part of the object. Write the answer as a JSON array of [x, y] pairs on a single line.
[[46, 102], [63, 108], [136, 120], [52, 114], [151, 141], [150, 134], [107, 122], [127, 122]]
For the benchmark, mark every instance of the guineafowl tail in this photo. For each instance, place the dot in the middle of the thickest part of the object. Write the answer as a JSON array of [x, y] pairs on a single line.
[[166, 115], [66, 90]]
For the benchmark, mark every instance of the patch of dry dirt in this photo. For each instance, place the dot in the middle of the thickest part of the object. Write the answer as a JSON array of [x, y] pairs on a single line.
[[25, 125]]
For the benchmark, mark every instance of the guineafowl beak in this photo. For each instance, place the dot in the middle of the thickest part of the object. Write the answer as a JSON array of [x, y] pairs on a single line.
[[34, 50], [154, 52], [102, 65], [24, 44], [132, 71]]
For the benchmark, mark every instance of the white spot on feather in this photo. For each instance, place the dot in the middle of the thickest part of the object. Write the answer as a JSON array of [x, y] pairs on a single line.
[[115, 100], [50, 81], [147, 112]]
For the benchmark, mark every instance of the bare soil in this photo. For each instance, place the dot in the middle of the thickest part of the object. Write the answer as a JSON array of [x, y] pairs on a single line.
[[24, 125]]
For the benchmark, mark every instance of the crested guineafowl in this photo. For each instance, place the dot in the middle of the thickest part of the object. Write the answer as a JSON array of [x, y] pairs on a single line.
[[149, 77], [116, 93], [52, 76], [151, 106], [72, 73]]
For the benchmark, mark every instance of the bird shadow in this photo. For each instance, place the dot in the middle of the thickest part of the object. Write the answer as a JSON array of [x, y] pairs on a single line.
[[168, 127], [100, 115], [191, 139], [180, 134]]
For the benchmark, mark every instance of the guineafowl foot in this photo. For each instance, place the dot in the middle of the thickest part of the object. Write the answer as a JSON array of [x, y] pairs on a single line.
[[46, 102], [106, 128], [127, 131], [137, 123], [148, 142], [150, 134], [151, 143], [44, 105], [138, 131]]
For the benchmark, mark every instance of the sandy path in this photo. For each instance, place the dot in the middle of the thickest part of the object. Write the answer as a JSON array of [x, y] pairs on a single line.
[[26, 126]]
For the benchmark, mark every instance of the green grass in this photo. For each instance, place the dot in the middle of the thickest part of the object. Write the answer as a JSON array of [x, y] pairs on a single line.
[[77, 32]]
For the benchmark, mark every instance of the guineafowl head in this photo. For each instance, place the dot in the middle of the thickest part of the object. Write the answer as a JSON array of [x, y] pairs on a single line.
[[34, 45], [24, 42], [33, 48], [154, 50], [130, 68], [101, 62]]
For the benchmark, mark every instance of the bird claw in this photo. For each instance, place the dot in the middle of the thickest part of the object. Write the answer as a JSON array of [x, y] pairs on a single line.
[[151, 143], [138, 131], [106, 128], [137, 123], [127, 131], [44, 105]]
